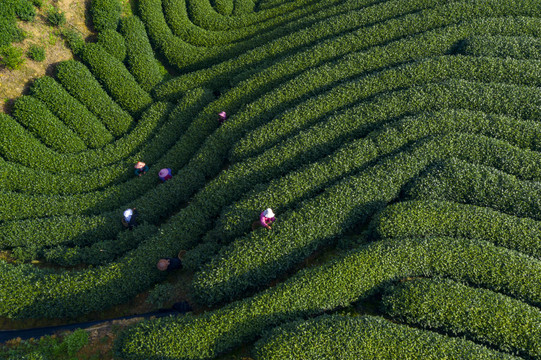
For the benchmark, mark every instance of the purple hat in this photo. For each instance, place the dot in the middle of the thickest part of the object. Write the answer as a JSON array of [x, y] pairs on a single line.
[[163, 173], [222, 114]]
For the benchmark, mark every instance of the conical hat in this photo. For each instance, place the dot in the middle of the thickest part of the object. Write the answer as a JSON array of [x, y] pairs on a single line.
[[139, 165], [268, 213], [163, 172]]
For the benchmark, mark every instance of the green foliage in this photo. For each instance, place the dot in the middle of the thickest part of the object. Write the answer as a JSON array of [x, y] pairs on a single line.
[[364, 337], [160, 294], [338, 283], [141, 61], [11, 57], [458, 181], [37, 3], [115, 78], [481, 315], [441, 218], [518, 47], [105, 14], [80, 83], [36, 117], [55, 16], [25, 10], [113, 43], [36, 53], [68, 109], [74, 39]]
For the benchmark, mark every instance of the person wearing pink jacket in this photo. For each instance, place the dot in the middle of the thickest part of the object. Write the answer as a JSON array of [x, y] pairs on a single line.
[[266, 218]]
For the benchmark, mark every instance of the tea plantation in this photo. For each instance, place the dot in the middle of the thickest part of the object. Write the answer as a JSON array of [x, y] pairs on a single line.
[[397, 141]]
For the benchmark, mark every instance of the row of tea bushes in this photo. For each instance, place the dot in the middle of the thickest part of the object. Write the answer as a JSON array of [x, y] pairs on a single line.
[[338, 283], [381, 46], [72, 113], [478, 314], [364, 337], [34, 115], [284, 192], [458, 181], [257, 258], [140, 57], [443, 218], [82, 85], [113, 43], [116, 79], [518, 47]]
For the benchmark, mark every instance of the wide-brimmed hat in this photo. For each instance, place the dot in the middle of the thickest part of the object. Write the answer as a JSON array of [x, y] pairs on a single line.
[[222, 114], [139, 165], [162, 265], [163, 172], [268, 213], [128, 214]]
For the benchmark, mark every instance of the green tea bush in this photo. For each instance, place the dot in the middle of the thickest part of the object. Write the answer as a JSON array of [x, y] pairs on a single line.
[[11, 57], [141, 61], [478, 185], [338, 283], [256, 258], [116, 79], [74, 40], [442, 218], [55, 16], [364, 337], [113, 43], [243, 7], [480, 315], [35, 116], [25, 10], [224, 7], [284, 192], [36, 53], [68, 109], [160, 294], [82, 85], [105, 14], [518, 47]]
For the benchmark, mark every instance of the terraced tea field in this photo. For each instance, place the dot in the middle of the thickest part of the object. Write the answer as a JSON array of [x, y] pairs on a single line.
[[398, 143]]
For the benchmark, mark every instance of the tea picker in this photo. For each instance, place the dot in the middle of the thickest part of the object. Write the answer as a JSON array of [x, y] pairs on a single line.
[[129, 218], [165, 174], [170, 264], [140, 168], [266, 218]]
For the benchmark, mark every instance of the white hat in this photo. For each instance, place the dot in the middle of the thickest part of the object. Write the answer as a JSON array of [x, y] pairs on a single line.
[[127, 214], [268, 213]]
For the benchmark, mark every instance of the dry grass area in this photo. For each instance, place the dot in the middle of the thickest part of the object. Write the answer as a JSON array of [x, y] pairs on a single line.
[[13, 83]]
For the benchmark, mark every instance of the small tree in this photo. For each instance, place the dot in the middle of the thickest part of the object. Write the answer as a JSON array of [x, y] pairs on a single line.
[[36, 53], [11, 57], [55, 16]]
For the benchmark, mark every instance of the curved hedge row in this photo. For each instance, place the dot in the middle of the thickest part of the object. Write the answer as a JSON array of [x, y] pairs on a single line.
[[480, 315], [82, 85], [71, 112], [116, 79], [36, 117], [335, 284], [518, 47], [400, 46], [260, 256], [284, 192], [113, 43], [479, 185], [365, 337], [105, 14], [141, 61], [440, 218]]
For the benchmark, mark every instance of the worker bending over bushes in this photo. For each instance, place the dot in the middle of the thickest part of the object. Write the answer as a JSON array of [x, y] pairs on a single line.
[[266, 218]]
